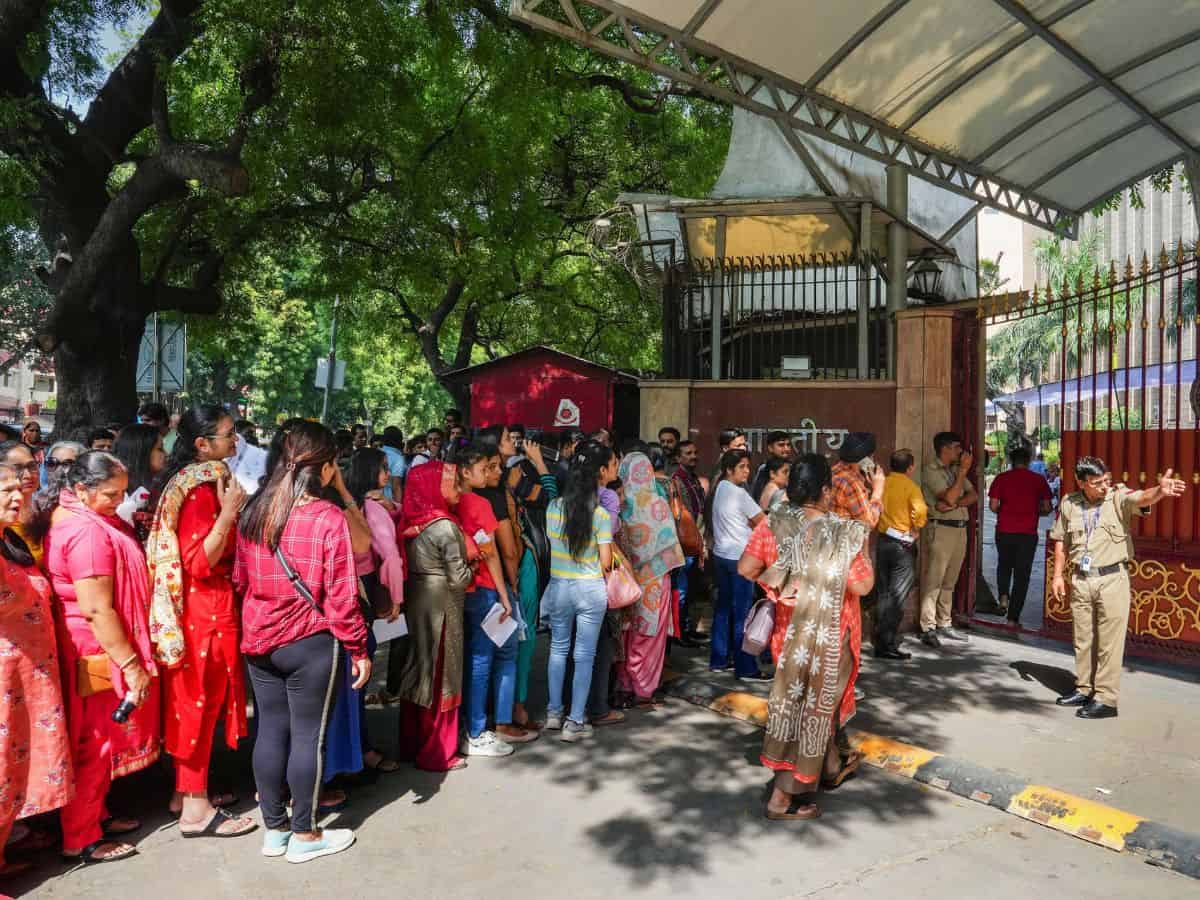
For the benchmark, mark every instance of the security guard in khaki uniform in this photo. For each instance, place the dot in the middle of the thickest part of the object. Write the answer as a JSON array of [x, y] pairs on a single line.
[[947, 493], [1092, 531]]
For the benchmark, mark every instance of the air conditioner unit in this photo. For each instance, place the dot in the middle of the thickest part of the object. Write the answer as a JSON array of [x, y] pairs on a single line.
[[796, 367]]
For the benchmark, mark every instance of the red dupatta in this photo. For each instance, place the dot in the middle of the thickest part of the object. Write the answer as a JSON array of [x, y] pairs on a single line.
[[425, 504]]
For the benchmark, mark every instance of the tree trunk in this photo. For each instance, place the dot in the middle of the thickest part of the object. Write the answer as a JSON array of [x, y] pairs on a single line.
[[96, 362]]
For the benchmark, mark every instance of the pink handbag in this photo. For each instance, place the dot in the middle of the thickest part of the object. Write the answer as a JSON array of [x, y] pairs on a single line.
[[760, 622], [623, 589]]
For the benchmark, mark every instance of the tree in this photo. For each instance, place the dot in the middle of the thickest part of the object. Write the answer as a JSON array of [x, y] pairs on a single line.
[[990, 281], [436, 153]]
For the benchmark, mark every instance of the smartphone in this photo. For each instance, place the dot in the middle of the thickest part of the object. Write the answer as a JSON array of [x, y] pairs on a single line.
[[867, 465]]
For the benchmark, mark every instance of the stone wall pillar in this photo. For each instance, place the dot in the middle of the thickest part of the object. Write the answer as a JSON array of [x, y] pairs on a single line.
[[664, 403]]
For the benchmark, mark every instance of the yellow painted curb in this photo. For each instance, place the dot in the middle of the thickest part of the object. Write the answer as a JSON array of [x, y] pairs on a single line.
[[894, 756], [1076, 816]]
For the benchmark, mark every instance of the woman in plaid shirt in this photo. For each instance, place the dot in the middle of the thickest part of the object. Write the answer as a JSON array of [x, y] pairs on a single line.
[[295, 568]]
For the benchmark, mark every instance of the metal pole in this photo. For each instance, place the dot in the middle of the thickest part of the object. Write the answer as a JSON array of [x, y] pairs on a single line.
[[864, 289], [897, 257], [329, 369], [718, 305], [156, 375]]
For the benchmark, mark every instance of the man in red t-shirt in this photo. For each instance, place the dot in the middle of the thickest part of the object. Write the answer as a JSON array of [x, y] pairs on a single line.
[[1018, 497]]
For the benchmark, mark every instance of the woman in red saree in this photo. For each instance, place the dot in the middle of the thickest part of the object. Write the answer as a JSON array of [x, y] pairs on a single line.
[[812, 559], [195, 619], [98, 572], [437, 561], [35, 757]]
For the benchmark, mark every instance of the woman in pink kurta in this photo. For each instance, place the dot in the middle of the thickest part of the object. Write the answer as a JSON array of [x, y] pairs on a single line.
[[35, 759], [98, 572]]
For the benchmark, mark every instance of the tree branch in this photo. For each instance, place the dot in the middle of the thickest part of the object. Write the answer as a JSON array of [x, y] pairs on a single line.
[[122, 107], [17, 19]]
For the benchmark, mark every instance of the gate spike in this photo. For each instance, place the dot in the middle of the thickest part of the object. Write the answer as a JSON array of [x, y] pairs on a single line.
[[1079, 283], [1128, 268], [1096, 282], [1163, 259], [1179, 252], [1145, 264]]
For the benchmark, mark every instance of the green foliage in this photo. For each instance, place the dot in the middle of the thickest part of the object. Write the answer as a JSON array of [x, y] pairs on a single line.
[[990, 281], [1118, 418]]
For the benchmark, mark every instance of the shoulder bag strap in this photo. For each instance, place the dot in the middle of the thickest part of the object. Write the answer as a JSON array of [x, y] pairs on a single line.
[[295, 579]]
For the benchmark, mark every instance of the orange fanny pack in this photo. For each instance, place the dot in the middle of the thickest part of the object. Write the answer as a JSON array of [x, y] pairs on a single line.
[[94, 675]]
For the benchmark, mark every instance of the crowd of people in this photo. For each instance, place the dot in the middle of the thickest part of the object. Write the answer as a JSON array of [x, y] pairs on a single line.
[[159, 574]]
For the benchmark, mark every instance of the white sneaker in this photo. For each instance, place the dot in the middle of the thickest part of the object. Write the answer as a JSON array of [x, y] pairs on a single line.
[[332, 840], [487, 744], [553, 722], [572, 732]]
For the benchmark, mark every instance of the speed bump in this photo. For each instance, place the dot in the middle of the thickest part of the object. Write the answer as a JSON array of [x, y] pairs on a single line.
[[1079, 817]]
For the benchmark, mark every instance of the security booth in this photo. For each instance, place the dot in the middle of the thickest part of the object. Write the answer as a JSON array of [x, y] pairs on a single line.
[[544, 388]]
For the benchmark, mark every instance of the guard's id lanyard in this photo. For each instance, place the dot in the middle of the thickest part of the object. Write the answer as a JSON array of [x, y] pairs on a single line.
[[1091, 518]]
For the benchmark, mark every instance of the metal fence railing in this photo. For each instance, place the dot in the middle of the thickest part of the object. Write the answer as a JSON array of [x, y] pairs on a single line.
[[748, 314]]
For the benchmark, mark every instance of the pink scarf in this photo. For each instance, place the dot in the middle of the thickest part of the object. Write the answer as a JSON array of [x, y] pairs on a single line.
[[131, 582]]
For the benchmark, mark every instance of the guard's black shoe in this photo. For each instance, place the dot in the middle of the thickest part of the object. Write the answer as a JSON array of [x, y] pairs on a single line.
[[1075, 699], [1096, 710], [930, 638], [892, 653], [949, 634]]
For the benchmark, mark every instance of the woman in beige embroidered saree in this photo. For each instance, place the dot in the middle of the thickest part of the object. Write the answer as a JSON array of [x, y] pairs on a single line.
[[803, 555]]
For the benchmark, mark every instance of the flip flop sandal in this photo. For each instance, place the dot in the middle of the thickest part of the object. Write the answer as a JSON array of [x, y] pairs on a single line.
[[612, 717], [849, 767], [110, 829], [212, 829], [801, 813], [87, 856], [385, 766], [34, 842]]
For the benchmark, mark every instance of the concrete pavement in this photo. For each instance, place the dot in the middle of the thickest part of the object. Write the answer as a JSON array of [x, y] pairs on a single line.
[[670, 805]]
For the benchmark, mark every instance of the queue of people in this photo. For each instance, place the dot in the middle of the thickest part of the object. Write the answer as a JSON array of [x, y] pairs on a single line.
[[150, 593]]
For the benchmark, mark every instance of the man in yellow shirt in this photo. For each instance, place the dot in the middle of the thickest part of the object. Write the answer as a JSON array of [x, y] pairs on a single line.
[[903, 517]]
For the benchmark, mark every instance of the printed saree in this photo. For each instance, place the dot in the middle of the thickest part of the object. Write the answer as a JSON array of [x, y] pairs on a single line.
[[805, 709]]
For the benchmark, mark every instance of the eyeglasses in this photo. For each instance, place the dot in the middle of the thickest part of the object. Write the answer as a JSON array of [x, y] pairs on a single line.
[[223, 434], [31, 467], [54, 463]]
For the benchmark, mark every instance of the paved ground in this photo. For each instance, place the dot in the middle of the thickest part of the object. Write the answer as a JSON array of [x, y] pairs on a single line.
[[669, 805], [1031, 614]]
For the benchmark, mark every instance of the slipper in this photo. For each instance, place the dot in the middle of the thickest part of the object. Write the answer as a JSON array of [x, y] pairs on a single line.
[[804, 812], [612, 717], [526, 735], [219, 818], [385, 766], [110, 829], [849, 767], [87, 856], [33, 842]]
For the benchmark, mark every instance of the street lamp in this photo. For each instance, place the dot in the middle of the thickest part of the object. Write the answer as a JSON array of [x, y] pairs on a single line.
[[926, 277]]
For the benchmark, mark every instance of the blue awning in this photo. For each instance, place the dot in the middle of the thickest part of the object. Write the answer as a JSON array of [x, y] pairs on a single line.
[[1111, 384]]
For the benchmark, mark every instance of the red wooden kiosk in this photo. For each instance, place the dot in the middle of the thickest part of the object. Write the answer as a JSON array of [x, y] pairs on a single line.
[[541, 387]]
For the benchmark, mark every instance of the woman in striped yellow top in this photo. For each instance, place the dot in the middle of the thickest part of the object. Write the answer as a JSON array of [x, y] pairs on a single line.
[[580, 534]]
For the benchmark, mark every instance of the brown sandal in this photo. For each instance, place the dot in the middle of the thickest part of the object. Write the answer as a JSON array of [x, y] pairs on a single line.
[[803, 812], [849, 767]]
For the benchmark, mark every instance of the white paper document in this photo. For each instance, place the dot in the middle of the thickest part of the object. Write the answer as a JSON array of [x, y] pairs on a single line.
[[387, 631], [498, 631]]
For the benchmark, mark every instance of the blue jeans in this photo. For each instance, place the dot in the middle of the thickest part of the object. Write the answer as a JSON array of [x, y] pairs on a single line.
[[487, 665], [679, 581], [735, 596], [582, 603]]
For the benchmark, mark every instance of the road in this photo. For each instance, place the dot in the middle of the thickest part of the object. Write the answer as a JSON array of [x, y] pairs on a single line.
[[670, 805]]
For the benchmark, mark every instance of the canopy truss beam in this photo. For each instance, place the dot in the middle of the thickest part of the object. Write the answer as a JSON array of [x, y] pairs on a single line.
[[1077, 59], [681, 58]]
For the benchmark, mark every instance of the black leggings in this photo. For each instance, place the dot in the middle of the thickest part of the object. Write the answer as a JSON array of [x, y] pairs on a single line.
[[294, 689]]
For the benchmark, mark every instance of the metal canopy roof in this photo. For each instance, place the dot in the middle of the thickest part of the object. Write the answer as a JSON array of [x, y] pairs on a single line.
[[1041, 109]]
